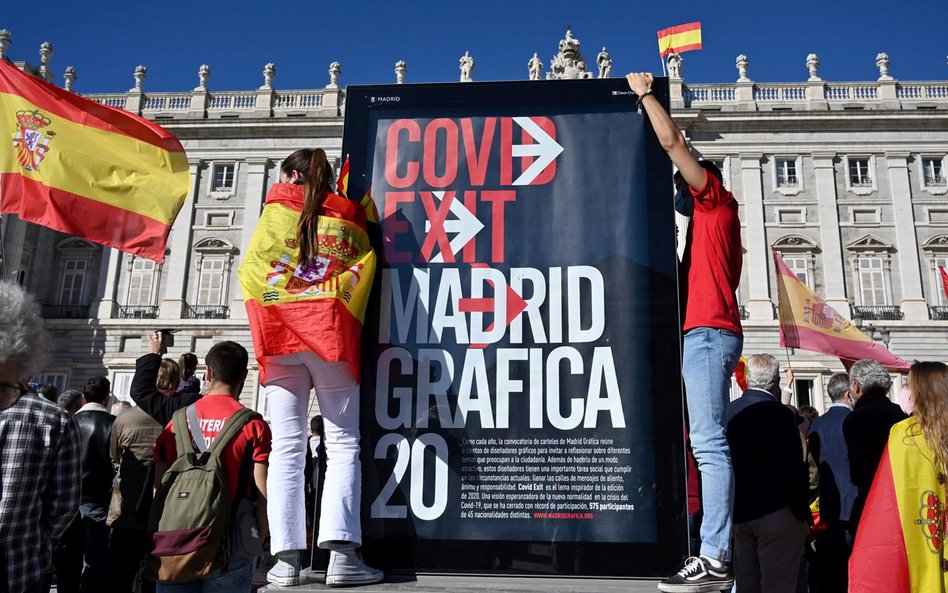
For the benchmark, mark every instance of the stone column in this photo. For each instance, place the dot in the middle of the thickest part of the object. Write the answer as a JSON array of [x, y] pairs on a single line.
[[759, 305], [175, 269], [830, 243], [109, 261], [913, 301], [253, 203]]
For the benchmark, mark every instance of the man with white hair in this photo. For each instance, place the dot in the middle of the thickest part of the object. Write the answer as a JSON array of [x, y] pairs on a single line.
[[866, 428], [771, 510], [39, 452]]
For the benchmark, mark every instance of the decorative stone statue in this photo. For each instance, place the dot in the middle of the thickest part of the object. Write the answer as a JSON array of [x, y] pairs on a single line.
[[467, 67], [882, 63], [140, 73], [335, 69], [69, 76], [204, 72], [269, 71], [569, 62], [742, 64], [400, 69], [46, 52], [535, 67], [604, 62], [674, 66], [812, 64], [5, 40]]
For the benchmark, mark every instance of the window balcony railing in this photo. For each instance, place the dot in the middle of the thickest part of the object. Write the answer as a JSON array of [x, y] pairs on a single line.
[[134, 311], [744, 313], [206, 312], [66, 311], [879, 312], [938, 313]]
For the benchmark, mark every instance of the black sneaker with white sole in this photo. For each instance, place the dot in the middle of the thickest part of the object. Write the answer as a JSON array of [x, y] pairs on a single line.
[[698, 575]]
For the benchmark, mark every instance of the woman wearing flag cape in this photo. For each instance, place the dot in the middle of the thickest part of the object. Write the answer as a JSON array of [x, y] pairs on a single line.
[[900, 541], [306, 279]]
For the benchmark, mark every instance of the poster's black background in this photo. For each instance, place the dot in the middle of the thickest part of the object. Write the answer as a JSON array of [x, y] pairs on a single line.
[[611, 158]]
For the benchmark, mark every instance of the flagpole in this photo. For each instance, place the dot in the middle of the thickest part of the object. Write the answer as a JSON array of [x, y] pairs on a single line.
[[664, 74]]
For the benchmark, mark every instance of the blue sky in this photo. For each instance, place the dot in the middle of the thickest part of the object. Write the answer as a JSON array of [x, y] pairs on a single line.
[[105, 41]]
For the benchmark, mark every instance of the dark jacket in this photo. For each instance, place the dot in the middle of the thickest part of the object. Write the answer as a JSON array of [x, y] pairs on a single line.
[[158, 405], [95, 430], [866, 431], [133, 436], [828, 446], [767, 456]]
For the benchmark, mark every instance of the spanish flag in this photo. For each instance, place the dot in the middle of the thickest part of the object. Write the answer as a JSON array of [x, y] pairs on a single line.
[[900, 543], [342, 183], [944, 280], [679, 38], [319, 306], [71, 164], [807, 322]]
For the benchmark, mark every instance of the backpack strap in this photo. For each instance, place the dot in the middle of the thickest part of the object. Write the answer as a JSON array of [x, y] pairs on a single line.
[[231, 428], [181, 436], [197, 435]]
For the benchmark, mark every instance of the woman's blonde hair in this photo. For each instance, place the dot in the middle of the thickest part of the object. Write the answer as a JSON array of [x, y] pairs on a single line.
[[169, 375], [929, 384]]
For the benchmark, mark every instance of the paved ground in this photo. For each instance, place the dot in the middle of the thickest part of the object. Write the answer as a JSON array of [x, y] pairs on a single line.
[[313, 581]]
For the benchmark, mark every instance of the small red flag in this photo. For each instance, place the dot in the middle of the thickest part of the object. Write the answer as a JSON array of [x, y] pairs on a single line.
[[342, 184], [944, 281]]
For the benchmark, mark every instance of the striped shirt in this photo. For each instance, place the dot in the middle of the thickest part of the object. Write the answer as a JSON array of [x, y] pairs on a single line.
[[39, 487]]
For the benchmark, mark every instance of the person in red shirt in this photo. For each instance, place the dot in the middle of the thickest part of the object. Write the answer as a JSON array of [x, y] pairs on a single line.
[[712, 344], [244, 458]]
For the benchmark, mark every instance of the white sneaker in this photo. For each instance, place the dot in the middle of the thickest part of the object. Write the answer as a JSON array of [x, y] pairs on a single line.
[[346, 569], [286, 572]]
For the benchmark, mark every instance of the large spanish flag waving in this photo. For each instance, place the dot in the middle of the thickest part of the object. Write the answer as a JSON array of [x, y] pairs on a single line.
[[679, 38], [71, 164], [900, 543], [807, 322], [320, 306]]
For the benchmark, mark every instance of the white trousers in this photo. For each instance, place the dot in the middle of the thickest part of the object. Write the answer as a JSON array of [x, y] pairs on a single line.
[[289, 380]]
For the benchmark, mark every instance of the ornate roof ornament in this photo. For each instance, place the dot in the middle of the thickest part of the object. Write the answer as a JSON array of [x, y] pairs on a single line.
[[569, 62]]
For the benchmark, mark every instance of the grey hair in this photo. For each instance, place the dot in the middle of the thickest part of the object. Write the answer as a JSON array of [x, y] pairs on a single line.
[[70, 400], [763, 372], [871, 377], [837, 386], [22, 339]]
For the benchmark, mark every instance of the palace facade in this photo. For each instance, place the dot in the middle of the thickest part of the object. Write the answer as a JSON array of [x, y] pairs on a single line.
[[846, 180]]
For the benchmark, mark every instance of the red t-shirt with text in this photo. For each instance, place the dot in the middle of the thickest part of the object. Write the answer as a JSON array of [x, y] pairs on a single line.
[[715, 260], [213, 411]]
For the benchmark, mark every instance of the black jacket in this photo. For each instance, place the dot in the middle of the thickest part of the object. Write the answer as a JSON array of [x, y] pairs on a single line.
[[837, 492], [866, 430], [95, 430], [158, 405], [767, 456]]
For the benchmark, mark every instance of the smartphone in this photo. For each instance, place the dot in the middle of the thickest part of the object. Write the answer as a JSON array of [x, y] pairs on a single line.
[[167, 337]]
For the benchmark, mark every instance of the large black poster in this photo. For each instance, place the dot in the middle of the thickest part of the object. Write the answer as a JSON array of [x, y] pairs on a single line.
[[521, 370]]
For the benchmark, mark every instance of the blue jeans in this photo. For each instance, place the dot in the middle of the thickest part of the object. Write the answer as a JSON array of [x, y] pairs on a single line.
[[710, 355], [237, 579]]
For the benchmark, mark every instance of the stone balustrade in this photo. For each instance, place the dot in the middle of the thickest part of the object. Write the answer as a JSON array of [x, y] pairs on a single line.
[[817, 95], [200, 104]]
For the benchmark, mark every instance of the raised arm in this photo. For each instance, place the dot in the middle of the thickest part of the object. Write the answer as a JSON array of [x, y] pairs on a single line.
[[669, 136], [143, 390]]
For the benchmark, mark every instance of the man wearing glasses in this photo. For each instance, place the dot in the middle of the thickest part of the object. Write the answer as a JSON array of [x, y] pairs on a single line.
[[39, 452]]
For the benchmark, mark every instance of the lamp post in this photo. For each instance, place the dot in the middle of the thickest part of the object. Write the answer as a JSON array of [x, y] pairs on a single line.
[[885, 334]]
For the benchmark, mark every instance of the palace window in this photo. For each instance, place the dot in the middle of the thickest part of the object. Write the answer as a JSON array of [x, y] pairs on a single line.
[[859, 175], [872, 285], [74, 281], [933, 175], [211, 281], [224, 174], [141, 282], [787, 173], [799, 264]]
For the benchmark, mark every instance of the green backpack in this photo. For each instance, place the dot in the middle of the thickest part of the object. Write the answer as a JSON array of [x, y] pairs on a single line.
[[191, 516]]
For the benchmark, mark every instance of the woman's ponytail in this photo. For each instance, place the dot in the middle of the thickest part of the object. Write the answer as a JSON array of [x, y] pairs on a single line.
[[317, 184]]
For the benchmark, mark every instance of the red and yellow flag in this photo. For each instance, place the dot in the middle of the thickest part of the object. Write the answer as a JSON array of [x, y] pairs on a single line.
[[944, 280], [82, 168], [319, 306], [900, 543], [740, 373], [808, 323], [342, 184], [679, 38]]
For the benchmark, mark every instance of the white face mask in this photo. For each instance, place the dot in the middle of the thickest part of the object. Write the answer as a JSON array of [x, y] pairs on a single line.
[[906, 402]]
